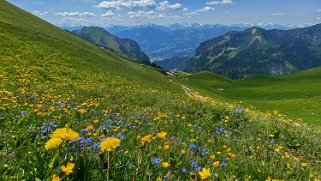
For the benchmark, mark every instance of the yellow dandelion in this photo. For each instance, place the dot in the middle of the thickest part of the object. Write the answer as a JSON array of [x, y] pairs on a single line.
[[146, 139], [205, 173], [162, 135], [183, 152], [216, 164], [165, 164], [55, 178], [53, 143], [90, 127], [82, 111], [166, 147], [68, 168], [212, 157], [304, 165], [295, 158], [65, 133], [109, 144]]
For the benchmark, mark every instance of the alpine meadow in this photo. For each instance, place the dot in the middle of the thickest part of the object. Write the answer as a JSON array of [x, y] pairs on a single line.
[[86, 105]]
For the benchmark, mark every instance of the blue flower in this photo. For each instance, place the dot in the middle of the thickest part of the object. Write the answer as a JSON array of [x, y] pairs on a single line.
[[84, 130], [193, 147], [132, 166], [204, 152], [71, 149], [238, 110], [156, 162], [120, 136], [194, 164], [223, 165], [199, 169], [89, 140], [81, 140], [96, 146], [184, 171]]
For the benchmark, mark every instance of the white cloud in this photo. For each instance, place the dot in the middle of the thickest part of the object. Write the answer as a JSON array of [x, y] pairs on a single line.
[[73, 19], [277, 14], [108, 14], [203, 10], [319, 11], [38, 13], [166, 5], [145, 14], [220, 2], [129, 4], [318, 19], [76, 14]]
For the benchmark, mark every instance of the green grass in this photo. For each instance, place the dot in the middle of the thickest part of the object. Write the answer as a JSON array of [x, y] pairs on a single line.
[[50, 79], [297, 95]]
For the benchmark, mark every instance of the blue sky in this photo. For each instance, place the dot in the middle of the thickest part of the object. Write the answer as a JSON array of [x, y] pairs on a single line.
[[133, 12]]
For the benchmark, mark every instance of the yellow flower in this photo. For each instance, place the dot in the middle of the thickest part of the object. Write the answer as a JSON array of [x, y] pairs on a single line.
[[53, 143], [65, 133], [205, 173], [55, 178], [162, 135], [138, 137], [295, 158], [82, 111], [90, 127], [212, 157], [304, 165], [183, 152], [146, 139], [68, 168], [109, 144], [166, 147], [165, 164], [271, 136], [216, 164]]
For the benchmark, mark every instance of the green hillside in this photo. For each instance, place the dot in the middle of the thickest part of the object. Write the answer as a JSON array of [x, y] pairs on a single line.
[[72, 111], [297, 95], [102, 38]]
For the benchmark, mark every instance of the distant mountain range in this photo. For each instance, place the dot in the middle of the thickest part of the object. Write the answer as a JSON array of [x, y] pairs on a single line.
[[254, 51], [176, 40], [104, 39]]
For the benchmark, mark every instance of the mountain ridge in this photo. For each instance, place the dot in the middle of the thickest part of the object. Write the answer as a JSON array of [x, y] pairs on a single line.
[[104, 39], [254, 51]]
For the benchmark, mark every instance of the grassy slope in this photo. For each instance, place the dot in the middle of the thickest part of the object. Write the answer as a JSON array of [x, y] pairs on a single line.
[[51, 78], [297, 95]]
